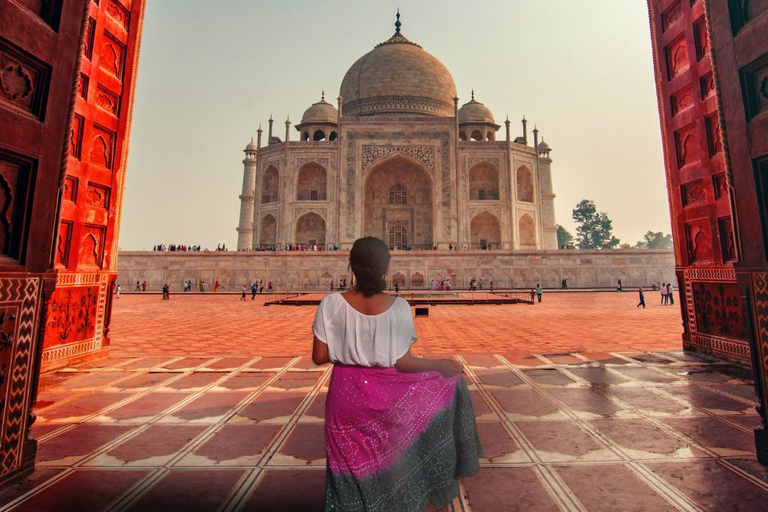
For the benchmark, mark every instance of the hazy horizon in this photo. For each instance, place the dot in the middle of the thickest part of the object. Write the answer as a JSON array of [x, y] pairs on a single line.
[[211, 72]]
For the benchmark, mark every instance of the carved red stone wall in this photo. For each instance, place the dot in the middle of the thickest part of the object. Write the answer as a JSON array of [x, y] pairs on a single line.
[[739, 46], [38, 60], [86, 248], [696, 180]]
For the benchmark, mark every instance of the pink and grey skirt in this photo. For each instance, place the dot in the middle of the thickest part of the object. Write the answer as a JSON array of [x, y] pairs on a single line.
[[396, 442]]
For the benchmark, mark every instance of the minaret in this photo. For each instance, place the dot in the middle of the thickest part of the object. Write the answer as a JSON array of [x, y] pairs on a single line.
[[548, 222], [269, 135], [287, 129], [245, 228], [506, 123], [258, 137], [525, 131]]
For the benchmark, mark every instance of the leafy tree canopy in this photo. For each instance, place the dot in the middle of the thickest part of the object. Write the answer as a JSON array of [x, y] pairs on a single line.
[[564, 238], [655, 240], [594, 229]]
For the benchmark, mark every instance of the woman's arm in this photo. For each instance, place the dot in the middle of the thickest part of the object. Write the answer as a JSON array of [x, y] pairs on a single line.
[[319, 352], [411, 364]]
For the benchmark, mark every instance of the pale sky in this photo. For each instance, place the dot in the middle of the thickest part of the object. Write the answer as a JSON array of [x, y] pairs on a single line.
[[211, 71]]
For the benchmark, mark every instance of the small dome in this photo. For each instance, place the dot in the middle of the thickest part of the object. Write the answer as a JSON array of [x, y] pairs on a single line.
[[543, 146], [320, 112], [475, 112], [251, 146]]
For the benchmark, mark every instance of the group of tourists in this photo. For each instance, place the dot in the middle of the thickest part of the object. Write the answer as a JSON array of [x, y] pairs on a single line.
[[141, 287], [176, 248], [474, 284], [440, 284], [342, 284], [667, 295]]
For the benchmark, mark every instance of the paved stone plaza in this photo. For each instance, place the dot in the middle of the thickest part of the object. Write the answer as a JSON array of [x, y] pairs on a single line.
[[583, 402]]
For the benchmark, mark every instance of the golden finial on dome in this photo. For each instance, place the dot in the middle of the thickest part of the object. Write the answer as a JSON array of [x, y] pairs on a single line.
[[397, 23]]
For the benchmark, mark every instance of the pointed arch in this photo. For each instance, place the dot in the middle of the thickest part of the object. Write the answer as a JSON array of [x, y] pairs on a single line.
[[524, 180], [310, 230], [312, 183], [527, 230], [270, 184], [483, 182], [268, 232], [485, 231]]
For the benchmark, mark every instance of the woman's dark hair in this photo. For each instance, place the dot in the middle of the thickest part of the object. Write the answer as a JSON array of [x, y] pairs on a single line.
[[369, 259]]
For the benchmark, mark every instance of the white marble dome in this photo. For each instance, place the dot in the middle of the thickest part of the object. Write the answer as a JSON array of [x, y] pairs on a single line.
[[398, 77]]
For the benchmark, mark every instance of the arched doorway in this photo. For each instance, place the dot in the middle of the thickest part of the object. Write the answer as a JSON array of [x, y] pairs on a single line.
[[312, 183], [483, 182], [397, 206], [527, 232], [269, 185], [268, 232], [310, 230], [485, 231]]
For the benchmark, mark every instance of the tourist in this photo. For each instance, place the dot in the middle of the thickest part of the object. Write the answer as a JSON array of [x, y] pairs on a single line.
[[490, 286], [166, 292], [670, 295], [144, 286], [331, 284], [382, 455], [641, 297], [254, 290], [261, 286], [117, 291], [481, 283], [539, 291], [663, 293], [269, 287], [618, 285], [138, 286], [216, 287], [397, 287], [242, 295]]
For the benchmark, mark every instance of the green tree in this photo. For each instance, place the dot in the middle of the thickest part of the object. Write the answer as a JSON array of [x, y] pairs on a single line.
[[594, 229], [655, 240], [564, 238]]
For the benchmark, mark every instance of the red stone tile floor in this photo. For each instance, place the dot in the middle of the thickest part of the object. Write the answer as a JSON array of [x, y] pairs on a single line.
[[605, 415]]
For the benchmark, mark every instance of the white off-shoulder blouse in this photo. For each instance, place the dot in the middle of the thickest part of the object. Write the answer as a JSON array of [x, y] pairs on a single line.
[[364, 340]]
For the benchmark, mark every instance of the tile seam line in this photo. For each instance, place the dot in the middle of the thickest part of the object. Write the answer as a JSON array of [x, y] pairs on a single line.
[[561, 495]]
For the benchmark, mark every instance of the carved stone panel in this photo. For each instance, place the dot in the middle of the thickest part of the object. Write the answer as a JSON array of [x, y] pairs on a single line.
[[699, 242], [682, 99], [112, 56], [677, 58], [23, 80], [16, 192], [92, 246], [693, 193], [118, 13], [423, 154], [98, 196], [107, 101], [672, 15], [71, 315], [686, 145], [718, 310], [102, 147]]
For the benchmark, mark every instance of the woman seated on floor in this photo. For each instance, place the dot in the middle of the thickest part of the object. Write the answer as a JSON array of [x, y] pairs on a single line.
[[399, 429]]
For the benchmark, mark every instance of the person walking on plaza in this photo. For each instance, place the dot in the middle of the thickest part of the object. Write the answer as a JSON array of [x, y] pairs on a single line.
[[663, 291], [144, 286], [261, 286], [242, 295], [670, 294], [539, 291], [490, 286], [331, 284], [254, 289], [166, 292], [117, 291], [269, 287], [138, 286], [618, 285], [641, 297], [216, 287], [383, 456]]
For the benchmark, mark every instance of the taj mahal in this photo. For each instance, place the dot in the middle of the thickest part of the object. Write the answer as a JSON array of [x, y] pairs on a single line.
[[398, 159]]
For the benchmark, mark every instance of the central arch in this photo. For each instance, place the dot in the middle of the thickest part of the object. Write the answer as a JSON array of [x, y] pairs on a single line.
[[398, 199], [310, 230]]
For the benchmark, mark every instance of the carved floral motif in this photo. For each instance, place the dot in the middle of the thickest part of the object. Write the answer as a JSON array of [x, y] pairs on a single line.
[[71, 315], [423, 154]]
